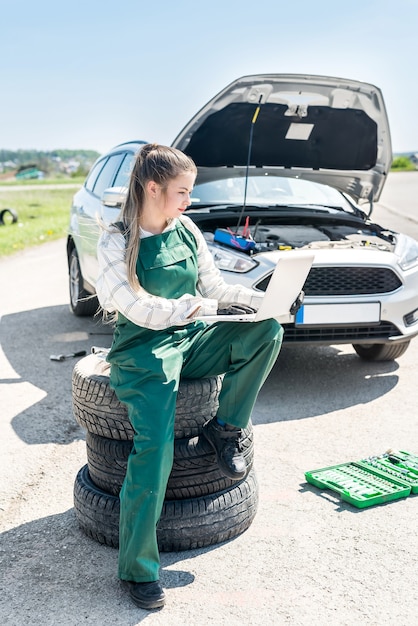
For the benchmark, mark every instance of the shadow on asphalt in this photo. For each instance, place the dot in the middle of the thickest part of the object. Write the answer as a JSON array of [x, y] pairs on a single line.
[[306, 381], [49, 564], [28, 339]]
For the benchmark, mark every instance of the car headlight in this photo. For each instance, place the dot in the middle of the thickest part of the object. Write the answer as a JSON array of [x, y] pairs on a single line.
[[231, 262], [406, 250]]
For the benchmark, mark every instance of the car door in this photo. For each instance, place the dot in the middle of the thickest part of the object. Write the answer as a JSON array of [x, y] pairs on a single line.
[[110, 214], [91, 212]]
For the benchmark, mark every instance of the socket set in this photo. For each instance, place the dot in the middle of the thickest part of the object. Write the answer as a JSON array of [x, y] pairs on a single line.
[[373, 480], [399, 464]]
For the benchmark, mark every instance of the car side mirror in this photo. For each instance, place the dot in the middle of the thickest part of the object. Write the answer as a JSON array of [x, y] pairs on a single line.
[[114, 196]]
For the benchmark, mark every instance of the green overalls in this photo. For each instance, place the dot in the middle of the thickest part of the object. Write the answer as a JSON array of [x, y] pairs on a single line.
[[146, 366]]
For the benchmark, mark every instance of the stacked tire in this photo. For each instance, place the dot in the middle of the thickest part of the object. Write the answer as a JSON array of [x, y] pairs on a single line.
[[202, 507]]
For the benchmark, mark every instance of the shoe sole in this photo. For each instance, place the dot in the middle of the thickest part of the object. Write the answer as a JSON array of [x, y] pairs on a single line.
[[157, 604]]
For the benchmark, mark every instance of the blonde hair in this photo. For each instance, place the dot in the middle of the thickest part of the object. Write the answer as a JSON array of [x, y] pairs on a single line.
[[153, 163]]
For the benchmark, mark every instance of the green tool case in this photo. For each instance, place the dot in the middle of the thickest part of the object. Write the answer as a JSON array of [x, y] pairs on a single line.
[[371, 481]]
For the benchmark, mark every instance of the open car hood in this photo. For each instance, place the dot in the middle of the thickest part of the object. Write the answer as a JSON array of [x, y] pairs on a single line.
[[330, 130]]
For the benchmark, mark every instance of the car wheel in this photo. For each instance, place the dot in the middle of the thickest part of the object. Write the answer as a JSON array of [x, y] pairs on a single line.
[[381, 351], [184, 524], [8, 216], [82, 303], [97, 409], [195, 471]]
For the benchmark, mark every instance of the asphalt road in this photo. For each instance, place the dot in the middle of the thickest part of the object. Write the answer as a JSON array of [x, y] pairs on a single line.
[[307, 558]]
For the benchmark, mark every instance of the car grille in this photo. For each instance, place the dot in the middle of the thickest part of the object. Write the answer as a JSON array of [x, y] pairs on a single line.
[[347, 281], [339, 334]]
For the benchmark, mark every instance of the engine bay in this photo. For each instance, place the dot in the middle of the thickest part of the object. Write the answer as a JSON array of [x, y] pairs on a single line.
[[268, 237]]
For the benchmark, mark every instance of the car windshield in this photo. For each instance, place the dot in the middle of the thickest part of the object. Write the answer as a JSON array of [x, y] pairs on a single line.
[[269, 190]]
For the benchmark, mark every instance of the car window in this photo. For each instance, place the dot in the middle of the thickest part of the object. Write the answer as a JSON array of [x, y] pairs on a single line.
[[122, 177], [107, 174], [94, 172], [273, 190]]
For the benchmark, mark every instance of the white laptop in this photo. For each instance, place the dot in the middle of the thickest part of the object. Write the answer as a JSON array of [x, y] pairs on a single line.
[[285, 285]]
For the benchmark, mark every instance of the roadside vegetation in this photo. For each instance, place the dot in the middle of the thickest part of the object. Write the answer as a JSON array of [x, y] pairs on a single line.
[[43, 215], [403, 164], [32, 164], [39, 182]]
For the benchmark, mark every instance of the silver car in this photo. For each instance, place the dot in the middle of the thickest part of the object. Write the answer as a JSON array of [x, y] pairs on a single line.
[[285, 162]]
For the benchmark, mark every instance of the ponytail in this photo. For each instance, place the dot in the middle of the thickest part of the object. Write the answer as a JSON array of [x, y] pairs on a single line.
[[157, 163]]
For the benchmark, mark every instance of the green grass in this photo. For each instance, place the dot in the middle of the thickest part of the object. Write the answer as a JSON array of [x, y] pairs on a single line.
[[43, 215], [59, 180]]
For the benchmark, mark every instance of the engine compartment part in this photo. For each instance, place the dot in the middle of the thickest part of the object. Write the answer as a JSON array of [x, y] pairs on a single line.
[[266, 237]]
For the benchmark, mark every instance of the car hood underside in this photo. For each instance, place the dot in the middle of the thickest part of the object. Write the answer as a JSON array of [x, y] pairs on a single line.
[[330, 130]]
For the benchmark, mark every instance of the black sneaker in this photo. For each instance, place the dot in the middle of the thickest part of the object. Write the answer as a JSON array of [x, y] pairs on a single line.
[[147, 595], [225, 440]]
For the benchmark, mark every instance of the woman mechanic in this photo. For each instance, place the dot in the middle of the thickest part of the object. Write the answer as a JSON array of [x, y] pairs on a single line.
[[157, 274]]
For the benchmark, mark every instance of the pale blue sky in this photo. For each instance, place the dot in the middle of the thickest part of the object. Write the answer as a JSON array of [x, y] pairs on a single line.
[[94, 73]]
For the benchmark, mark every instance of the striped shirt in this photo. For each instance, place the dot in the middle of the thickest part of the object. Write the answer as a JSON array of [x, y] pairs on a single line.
[[144, 309]]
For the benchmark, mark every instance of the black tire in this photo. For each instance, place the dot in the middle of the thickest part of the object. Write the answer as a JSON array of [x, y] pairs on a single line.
[[82, 303], [194, 473], [97, 409], [184, 524], [8, 216], [381, 351]]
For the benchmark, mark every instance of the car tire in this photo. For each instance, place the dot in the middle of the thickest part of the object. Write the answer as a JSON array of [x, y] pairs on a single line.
[[82, 303], [8, 216], [97, 409], [184, 524], [381, 351], [195, 471]]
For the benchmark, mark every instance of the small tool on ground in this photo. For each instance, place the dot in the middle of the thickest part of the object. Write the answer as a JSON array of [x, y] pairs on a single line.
[[62, 357]]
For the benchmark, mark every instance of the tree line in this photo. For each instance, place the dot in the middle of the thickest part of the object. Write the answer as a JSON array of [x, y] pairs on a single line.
[[50, 162], [23, 156]]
